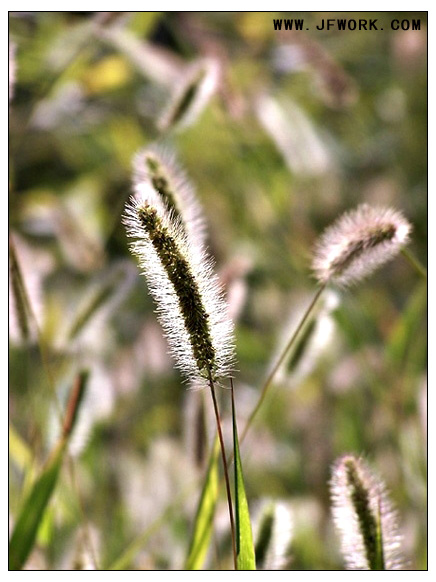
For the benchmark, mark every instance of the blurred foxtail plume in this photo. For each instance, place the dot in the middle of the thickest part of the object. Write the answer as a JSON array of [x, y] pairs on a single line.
[[157, 165], [273, 534], [191, 94], [364, 517], [358, 243]]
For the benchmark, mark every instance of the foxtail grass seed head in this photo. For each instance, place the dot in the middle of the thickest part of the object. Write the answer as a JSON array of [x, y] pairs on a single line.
[[273, 534], [190, 305], [364, 517], [191, 95], [295, 136], [358, 243], [158, 166]]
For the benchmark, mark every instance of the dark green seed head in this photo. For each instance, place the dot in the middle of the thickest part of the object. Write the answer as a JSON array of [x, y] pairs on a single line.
[[185, 286], [368, 522]]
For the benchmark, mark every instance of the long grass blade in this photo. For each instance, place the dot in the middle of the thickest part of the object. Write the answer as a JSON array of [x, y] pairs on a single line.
[[204, 518], [245, 555], [34, 507], [32, 512]]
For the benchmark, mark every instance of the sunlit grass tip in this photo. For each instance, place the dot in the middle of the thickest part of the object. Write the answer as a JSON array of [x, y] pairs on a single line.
[[157, 164], [364, 517], [358, 243], [190, 304], [191, 94]]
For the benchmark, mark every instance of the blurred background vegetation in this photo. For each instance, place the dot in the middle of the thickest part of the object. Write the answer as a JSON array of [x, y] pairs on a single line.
[[303, 126]]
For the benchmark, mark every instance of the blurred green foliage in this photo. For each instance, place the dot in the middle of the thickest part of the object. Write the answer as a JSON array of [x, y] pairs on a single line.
[[304, 126]]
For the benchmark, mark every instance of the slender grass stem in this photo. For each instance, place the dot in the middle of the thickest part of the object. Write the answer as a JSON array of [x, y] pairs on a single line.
[[416, 263], [281, 359], [15, 264], [225, 466]]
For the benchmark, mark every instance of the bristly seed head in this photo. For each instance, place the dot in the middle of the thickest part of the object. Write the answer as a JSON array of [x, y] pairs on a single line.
[[191, 95], [185, 287], [274, 530], [190, 306], [364, 517], [158, 166], [358, 243]]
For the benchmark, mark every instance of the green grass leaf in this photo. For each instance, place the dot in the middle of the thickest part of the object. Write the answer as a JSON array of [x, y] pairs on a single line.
[[245, 556], [19, 451], [409, 328], [33, 509], [204, 518]]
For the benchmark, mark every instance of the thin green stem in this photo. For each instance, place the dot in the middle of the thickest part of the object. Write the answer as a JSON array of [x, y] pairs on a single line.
[[281, 359], [225, 466], [416, 263]]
